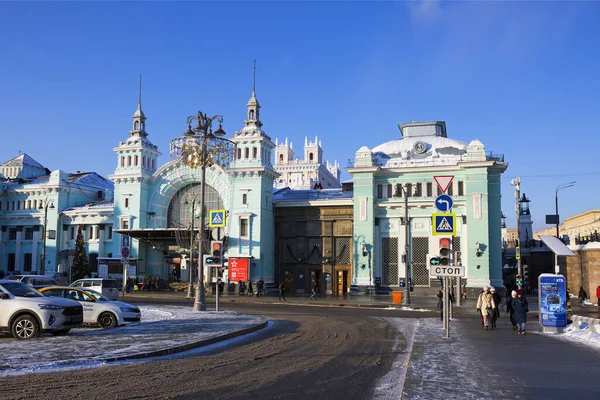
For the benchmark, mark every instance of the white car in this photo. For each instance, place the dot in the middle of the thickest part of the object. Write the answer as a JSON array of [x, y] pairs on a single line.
[[97, 309], [26, 313]]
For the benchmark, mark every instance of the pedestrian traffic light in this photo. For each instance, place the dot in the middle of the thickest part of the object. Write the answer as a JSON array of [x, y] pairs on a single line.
[[444, 253], [216, 251], [519, 280]]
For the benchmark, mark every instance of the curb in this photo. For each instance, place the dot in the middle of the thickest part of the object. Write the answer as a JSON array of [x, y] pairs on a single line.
[[189, 346]]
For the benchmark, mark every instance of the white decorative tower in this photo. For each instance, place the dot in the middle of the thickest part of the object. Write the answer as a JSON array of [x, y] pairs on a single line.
[[251, 227], [136, 162]]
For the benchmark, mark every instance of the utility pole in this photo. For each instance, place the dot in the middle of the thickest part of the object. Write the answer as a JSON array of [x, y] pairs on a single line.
[[406, 190], [517, 184]]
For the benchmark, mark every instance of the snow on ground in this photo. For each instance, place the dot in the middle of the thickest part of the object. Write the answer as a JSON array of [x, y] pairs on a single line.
[[161, 328], [584, 335], [405, 308]]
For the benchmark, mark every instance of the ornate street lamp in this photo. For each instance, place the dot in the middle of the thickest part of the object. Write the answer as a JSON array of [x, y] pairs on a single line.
[[200, 147]]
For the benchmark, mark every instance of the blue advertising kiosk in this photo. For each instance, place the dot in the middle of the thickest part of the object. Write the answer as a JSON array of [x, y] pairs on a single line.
[[552, 300]]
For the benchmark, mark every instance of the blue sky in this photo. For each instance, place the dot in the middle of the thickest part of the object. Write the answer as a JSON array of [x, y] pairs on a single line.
[[522, 77]]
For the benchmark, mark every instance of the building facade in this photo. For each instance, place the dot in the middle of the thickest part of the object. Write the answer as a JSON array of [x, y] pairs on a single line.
[[292, 219]]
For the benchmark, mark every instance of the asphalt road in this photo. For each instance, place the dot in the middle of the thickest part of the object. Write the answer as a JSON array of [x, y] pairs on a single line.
[[314, 352]]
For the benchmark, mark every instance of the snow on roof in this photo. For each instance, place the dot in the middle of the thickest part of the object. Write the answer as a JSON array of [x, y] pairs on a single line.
[[91, 206], [91, 179], [22, 159], [288, 194], [437, 150]]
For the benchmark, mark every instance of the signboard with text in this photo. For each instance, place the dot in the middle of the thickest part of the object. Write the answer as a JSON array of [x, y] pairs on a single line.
[[239, 269], [552, 298]]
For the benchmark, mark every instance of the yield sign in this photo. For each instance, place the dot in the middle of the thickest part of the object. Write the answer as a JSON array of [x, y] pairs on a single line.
[[443, 181]]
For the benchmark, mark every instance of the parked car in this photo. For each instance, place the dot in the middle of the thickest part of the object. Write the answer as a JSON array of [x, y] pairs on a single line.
[[25, 312], [107, 287], [35, 281], [97, 309]]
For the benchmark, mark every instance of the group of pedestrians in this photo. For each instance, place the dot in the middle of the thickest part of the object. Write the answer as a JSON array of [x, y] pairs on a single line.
[[517, 307]]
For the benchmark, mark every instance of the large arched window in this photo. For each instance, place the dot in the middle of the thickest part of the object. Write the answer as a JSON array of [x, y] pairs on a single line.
[[180, 208]]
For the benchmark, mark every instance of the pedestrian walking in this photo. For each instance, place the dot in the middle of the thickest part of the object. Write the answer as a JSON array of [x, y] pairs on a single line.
[[521, 307], [259, 287], [598, 294], [486, 305], [174, 274], [582, 296], [495, 311], [282, 292], [250, 290], [313, 294], [510, 310], [568, 300], [440, 303]]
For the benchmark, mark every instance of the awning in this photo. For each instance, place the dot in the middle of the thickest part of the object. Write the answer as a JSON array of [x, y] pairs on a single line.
[[557, 246], [149, 234]]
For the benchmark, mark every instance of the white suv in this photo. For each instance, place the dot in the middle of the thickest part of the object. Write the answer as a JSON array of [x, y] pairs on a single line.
[[25, 312]]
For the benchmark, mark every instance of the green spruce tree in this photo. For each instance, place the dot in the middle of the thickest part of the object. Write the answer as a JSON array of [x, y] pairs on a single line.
[[80, 262]]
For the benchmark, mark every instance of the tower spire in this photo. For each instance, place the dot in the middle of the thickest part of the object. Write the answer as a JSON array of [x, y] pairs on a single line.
[[140, 95], [254, 80]]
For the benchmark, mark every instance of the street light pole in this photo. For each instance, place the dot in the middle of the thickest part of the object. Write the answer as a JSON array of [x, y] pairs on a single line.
[[43, 264], [560, 187], [202, 148], [191, 267], [406, 247]]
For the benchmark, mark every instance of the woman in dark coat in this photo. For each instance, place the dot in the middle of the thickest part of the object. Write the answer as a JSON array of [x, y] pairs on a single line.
[[521, 308]]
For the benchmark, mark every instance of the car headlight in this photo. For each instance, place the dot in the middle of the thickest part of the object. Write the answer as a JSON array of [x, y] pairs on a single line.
[[50, 307]]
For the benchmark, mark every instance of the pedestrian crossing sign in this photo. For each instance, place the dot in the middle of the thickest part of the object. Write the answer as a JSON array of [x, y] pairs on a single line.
[[443, 224], [217, 219]]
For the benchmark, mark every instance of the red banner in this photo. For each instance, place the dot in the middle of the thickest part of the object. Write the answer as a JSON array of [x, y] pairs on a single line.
[[238, 269]]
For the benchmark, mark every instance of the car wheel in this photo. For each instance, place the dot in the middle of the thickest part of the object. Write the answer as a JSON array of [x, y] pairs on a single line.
[[60, 332], [24, 327], [107, 320]]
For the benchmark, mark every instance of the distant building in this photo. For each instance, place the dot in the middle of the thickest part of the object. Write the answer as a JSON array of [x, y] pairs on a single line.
[[581, 227], [304, 173]]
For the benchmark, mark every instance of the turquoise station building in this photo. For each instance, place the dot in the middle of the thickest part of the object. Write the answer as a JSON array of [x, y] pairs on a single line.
[[150, 204]]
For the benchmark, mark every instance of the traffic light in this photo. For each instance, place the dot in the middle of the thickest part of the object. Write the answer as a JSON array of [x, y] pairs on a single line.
[[525, 272], [208, 260], [519, 280], [444, 253], [216, 251]]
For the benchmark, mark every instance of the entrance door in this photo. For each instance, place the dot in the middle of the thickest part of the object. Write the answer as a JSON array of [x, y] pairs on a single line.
[[315, 278], [289, 279], [342, 282]]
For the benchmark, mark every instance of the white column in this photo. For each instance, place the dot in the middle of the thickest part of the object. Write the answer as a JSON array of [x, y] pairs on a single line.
[[18, 255], [35, 246], [101, 238]]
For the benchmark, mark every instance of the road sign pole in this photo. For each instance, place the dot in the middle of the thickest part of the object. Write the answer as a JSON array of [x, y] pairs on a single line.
[[447, 302], [125, 268]]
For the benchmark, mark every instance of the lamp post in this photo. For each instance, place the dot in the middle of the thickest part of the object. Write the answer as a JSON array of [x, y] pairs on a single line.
[[406, 189], [200, 147], [560, 187], [190, 294], [43, 264]]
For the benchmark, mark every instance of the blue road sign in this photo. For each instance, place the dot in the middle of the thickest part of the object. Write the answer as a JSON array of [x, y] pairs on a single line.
[[444, 224], [444, 202], [217, 219]]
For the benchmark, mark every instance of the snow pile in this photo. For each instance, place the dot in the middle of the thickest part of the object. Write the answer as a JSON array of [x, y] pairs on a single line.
[[583, 335], [161, 328], [405, 308]]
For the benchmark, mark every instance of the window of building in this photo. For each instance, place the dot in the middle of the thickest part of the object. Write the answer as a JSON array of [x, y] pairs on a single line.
[[28, 233], [429, 189], [91, 233], [379, 191], [0, 205], [144, 161], [28, 204], [439, 191], [27, 262], [72, 233], [124, 224], [136, 159], [418, 189], [18, 205], [109, 232], [244, 227], [450, 190], [461, 188], [239, 154], [254, 152], [126, 202], [281, 158], [35, 204], [244, 199], [11, 262], [12, 234], [129, 161], [246, 153], [122, 161], [389, 191]]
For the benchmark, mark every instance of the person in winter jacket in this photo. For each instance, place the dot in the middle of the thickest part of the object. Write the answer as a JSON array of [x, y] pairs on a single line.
[[582, 296], [598, 294], [521, 307], [511, 310], [495, 311], [486, 306]]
